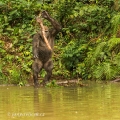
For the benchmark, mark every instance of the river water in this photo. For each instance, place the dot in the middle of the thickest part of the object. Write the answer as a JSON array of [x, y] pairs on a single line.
[[92, 102]]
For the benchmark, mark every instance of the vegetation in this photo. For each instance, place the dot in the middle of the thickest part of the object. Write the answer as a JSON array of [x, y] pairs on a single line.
[[87, 48]]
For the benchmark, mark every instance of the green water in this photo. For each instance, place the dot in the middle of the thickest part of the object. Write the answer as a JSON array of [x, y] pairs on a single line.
[[93, 102]]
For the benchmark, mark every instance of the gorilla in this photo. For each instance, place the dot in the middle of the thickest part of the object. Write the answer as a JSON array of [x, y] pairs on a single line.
[[41, 52]]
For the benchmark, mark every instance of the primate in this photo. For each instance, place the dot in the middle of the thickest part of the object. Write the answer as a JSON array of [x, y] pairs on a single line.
[[41, 52]]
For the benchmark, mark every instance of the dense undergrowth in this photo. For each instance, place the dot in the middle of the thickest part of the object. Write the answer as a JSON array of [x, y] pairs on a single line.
[[88, 46]]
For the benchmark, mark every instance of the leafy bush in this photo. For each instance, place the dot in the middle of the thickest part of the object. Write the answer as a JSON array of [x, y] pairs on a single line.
[[86, 48], [17, 27], [88, 29]]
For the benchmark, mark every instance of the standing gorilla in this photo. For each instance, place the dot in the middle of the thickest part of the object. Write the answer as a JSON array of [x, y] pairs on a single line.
[[41, 52]]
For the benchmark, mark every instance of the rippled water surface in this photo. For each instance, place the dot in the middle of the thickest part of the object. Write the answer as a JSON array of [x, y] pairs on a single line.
[[93, 102]]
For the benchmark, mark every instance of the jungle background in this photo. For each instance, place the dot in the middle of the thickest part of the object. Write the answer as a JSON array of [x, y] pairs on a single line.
[[88, 47]]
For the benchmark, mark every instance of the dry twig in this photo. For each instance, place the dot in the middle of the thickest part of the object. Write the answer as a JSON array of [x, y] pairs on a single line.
[[43, 31]]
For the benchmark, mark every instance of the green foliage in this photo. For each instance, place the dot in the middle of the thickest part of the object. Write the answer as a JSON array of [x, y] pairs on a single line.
[[115, 21], [87, 47], [103, 60], [104, 71], [88, 27], [52, 84], [17, 27]]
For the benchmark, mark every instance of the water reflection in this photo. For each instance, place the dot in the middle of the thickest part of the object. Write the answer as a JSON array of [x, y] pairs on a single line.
[[94, 102], [42, 102]]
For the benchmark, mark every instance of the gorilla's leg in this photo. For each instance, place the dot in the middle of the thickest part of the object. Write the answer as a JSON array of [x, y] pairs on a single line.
[[37, 66], [48, 66]]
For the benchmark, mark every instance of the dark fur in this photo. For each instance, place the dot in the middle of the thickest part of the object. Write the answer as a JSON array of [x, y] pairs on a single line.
[[42, 55]]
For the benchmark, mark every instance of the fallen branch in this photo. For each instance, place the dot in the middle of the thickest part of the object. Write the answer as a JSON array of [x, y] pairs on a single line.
[[116, 80], [70, 83], [43, 32]]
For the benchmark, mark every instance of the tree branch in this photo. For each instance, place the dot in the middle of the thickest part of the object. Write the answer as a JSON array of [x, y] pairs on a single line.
[[43, 32]]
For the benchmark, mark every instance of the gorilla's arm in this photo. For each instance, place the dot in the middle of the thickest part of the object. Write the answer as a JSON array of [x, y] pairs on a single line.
[[57, 27]]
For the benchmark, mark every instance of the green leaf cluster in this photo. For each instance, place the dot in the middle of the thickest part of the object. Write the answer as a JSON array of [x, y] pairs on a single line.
[[17, 21], [91, 46], [88, 46]]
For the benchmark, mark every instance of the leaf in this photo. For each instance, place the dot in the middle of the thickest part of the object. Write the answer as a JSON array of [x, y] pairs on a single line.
[[97, 51], [113, 42], [10, 29], [5, 18], [13, 12]]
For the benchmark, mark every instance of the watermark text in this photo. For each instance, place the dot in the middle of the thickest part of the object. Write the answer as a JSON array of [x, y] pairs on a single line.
[[27, 114]]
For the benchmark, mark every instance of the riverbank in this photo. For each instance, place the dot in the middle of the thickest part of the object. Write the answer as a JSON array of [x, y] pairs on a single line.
[[66, 83]]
